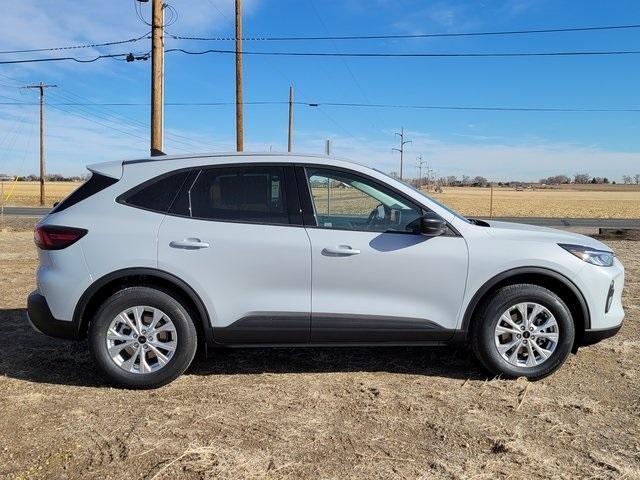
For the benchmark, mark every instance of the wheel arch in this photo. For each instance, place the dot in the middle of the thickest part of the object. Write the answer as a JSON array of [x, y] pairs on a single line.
[[551, 279], [107, 285]]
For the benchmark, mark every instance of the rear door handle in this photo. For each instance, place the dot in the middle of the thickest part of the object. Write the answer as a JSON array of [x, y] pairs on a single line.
[[189, 244], [341, 251]]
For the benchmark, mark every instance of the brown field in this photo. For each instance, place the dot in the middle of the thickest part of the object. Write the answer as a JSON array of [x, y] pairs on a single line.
[[585, 201], [416, 413], [28, 193]]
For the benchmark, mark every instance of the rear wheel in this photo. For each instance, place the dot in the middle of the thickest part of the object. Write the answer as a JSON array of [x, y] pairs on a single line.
[[524, 330], [142, 337]]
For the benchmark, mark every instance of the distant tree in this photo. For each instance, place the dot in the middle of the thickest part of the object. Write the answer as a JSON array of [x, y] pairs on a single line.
[[479, 181], [581, 178], [465, 179], [451, 180], [626, 179], [636, 177], [605, 180], [556, 180]]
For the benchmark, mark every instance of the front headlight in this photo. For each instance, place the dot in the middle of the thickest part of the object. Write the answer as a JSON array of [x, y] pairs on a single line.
[[601, 258]]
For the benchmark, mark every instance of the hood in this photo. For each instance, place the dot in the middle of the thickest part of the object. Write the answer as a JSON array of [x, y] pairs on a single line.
[[535, 233]]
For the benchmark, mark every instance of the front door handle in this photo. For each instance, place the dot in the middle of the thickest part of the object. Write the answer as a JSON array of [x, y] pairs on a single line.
[[341, 251], [189, 244]]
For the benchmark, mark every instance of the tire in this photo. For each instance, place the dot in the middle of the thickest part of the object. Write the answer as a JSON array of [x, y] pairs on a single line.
[[168, 350], [486, 342]]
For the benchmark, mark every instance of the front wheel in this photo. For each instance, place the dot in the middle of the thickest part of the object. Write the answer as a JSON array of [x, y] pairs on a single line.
[[524, 330], [142, 337]]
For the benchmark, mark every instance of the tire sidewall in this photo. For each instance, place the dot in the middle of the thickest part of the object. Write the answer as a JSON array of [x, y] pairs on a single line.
[[499, 304], [142, 296]]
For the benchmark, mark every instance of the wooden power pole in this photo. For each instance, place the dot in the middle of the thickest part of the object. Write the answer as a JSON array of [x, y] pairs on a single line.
[[403, 142], [41, 86], [239, 115], [157, 77], [420, 163], [290, 142]]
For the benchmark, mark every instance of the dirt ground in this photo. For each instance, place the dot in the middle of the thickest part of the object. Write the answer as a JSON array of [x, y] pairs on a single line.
[[417, 413]]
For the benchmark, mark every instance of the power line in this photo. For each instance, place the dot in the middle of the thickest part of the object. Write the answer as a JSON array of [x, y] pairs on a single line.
[[145, 56], [85, 45], [115, 56], [345, 104], [414, 54], [400, 36]]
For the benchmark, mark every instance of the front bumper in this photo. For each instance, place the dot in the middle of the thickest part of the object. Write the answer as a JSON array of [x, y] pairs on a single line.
[[43, 321], [591, 337]]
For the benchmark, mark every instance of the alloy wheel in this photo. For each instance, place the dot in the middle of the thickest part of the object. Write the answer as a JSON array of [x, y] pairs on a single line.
[[526, 334], [141, 339]]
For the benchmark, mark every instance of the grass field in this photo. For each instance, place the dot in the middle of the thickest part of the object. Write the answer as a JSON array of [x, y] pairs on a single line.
[[342, 413], [586, 201]]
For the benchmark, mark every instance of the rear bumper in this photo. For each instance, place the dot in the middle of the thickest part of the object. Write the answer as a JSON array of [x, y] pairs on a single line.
[[594, 336], [43, 321]]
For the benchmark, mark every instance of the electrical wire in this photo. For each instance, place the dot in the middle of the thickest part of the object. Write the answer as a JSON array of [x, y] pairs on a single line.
[[411, 55], [400, 36], [346, 104], [86, 45], [146, 55]]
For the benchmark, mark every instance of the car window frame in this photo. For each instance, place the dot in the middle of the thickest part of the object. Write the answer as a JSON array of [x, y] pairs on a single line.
[[290, 185], [308, 208]]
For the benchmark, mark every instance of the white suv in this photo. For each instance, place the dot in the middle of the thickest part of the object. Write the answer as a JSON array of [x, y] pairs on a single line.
[[152, 257]]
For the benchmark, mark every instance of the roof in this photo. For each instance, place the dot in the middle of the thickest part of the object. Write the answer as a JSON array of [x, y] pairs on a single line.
[[161, 158]]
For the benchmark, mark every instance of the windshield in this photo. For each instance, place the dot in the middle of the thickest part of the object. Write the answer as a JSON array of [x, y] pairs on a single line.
[[441, 205]]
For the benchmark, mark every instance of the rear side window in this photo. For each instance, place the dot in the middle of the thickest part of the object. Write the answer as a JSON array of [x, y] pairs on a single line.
[[93, 185], [158, 194], [243, 194]]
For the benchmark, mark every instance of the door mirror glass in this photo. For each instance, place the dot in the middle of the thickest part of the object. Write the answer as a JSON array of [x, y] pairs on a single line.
[[429, 224]]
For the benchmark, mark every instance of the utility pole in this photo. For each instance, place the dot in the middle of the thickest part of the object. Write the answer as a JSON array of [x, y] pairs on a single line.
[[403, 142], [239, 116], [41, 86], [420, 163], [290, 118], [157, 77], [327, 148]]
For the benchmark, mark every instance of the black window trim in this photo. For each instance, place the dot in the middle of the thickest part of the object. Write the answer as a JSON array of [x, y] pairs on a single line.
[[308, 211], [292, 193], [85, 190]]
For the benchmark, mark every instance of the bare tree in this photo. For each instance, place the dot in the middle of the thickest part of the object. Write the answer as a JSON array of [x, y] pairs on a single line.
[[626, 179], [636, 177], [581, 178]]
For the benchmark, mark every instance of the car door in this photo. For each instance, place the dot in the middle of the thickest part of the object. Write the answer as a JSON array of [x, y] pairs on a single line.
[[234, 233], [373, 278]]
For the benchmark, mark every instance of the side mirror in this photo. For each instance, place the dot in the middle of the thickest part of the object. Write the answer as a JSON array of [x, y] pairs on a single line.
[[429, 224]]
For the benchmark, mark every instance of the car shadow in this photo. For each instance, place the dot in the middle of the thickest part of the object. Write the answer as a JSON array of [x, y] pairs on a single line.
[[29, 355]]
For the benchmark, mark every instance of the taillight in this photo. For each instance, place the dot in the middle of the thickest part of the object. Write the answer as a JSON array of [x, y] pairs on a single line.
[[53, 237]]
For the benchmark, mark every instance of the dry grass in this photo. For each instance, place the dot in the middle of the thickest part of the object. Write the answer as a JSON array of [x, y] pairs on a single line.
[[28, 193], [314, 413], [586, 201]]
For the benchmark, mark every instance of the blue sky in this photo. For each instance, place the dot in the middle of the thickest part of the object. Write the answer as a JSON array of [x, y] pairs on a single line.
[[498, 145]]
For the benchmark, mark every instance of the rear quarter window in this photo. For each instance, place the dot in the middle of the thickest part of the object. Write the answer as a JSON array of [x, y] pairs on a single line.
[[93, 185]]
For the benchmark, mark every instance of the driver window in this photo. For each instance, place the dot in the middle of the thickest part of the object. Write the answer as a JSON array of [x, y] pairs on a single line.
[[345, 201]]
